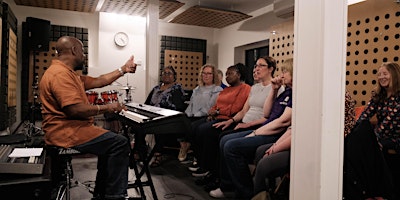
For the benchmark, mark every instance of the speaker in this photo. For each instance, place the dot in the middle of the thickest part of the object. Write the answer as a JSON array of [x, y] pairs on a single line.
[[38, 34]]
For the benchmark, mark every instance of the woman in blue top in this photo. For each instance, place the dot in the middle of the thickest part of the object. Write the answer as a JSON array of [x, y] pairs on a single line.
[[203, 98]]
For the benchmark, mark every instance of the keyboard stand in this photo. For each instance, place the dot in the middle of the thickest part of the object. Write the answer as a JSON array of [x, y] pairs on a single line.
[[138, 183]]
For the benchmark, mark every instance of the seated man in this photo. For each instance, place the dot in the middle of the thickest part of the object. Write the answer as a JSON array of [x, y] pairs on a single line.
[[68, 116]]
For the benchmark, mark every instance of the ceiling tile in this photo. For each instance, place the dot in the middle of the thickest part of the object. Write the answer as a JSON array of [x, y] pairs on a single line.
[[209, 17], [71, 5]]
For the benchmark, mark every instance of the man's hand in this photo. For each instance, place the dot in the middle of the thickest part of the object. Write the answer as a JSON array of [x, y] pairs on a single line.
[[130, 66], [115, 107]]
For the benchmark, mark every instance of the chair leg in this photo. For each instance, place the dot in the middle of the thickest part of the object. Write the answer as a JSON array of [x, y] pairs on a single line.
[[63, 191]]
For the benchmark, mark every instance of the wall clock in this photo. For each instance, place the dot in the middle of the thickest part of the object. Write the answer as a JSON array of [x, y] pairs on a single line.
[[121, 39]]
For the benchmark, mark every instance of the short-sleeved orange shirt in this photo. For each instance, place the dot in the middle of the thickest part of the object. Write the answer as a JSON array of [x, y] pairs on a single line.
[[60, 87]]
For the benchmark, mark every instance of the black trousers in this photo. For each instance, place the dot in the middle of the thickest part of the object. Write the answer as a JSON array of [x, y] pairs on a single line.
[[366, 173]]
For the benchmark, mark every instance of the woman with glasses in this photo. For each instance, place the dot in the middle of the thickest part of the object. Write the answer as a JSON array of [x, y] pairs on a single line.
[[203, 97], [170, 95], [249, 118], [237, 150]]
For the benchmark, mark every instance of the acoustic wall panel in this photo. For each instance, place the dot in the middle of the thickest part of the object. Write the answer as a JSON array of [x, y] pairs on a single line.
[[187, 66], [373, 38], [281, 43]]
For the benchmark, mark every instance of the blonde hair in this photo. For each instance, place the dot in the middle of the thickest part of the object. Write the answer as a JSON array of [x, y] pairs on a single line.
[[200, 81], [288, 66]]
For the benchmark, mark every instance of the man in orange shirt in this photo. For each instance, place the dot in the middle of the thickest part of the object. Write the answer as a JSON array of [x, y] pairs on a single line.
[[68, 116]]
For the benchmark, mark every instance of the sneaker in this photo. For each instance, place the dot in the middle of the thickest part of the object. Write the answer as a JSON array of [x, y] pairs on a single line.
[[194, 166], [217, 193], [200, 173]]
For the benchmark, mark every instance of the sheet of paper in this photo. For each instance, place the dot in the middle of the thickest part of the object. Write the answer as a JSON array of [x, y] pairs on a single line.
[[26, 152]]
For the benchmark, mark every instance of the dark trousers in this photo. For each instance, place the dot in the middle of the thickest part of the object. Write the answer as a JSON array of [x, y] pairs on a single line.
[[112, 166], [366, 173], [236, 152], [269, 168]]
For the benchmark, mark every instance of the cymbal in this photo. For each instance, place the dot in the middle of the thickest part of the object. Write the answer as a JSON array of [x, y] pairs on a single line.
[[128, 88]]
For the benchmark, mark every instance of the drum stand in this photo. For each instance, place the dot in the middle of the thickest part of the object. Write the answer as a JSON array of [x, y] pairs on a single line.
[[31, 125], [128, 96]]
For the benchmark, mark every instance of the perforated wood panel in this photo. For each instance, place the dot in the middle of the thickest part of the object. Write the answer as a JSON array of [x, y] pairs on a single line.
[[167, 7], [187, 66], [139, 7], [372, 38], [72, 5], [12, 69], [209, 17], [281, 43]]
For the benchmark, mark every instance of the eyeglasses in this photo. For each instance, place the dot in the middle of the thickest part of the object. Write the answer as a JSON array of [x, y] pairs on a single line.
[[167, 73], [207, 73], [260, 65]]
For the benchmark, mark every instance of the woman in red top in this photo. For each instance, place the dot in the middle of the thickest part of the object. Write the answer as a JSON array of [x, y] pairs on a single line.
[[229, 102]]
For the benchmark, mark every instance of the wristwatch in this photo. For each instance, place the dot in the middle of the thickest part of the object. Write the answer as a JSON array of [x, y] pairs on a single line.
[[121, 71]]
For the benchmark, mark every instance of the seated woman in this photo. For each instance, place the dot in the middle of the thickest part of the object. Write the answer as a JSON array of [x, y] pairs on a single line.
[[229, 102], [203, 97], [168, 94], [237, 149], [273, 160], [249, 118], [385, 103]]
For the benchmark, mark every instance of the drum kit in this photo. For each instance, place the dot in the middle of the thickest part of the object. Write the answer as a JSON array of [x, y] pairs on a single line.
[[106, 97], [109, 96], [109, 121]]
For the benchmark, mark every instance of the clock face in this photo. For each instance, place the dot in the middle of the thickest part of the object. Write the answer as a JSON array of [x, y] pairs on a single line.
[[121, 39]]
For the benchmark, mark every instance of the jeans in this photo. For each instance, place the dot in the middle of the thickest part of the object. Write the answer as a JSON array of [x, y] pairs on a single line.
[[237, 151], [112, 165]]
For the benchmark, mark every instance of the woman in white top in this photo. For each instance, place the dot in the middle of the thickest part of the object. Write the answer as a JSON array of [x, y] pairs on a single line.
[[250, 117], [252, 113]]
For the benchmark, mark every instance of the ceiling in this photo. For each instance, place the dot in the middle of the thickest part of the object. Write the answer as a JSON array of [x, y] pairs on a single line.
[[206, 13]]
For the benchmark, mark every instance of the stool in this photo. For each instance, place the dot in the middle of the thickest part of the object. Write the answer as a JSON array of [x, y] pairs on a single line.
[[61, 158]]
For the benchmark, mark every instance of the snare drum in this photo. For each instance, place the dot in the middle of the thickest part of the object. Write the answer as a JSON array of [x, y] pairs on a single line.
[[92, 96], [109, 96]]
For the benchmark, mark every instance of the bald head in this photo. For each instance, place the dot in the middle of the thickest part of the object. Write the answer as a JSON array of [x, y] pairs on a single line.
[[65, 44], [70, 51]]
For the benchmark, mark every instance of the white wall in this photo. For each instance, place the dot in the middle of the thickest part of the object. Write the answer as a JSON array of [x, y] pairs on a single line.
[[112, 57], [228, 38]]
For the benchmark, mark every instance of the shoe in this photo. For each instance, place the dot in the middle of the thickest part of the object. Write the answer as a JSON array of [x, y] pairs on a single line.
[[205, 180], [217, 193], [200, 173], [157, 160], [212, 185], [194, 166], [264, 195], [183, 151]]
